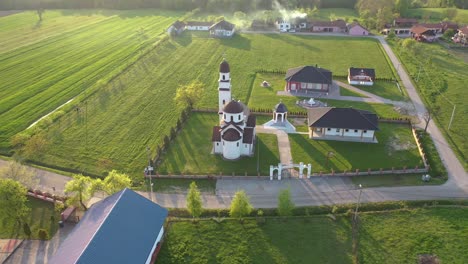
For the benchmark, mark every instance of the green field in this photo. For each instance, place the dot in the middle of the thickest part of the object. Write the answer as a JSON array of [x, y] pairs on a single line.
[[190, 152], [43, 65], [136, 109], [396, 148], [386, 237], [40, 217], [442, 83], [438, 14]]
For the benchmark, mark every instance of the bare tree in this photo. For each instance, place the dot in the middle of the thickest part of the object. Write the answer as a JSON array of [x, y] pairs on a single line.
[[20, 173], [428, 116]]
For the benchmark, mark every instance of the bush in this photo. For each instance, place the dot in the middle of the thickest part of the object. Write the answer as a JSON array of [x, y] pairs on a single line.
[[27, 230], [43, 234]]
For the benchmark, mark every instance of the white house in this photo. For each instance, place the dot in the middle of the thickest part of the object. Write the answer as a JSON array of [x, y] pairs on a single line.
[[222, 29], [342, 124], [361, 76], [235, 135], [283, 25]]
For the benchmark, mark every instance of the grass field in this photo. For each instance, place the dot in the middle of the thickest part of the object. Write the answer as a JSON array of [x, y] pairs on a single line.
[[190, 152], [385, 237], [438, 14], [267, 98], [396, 148], [276, 241], [137, 109], [40, 217], [43, 65], [442, 83]]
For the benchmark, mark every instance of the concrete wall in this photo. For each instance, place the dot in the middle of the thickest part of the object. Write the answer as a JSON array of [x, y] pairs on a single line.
[[198, 28], [218, 147]]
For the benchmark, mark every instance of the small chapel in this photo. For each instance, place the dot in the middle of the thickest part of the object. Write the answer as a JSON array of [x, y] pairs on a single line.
[[235, 135]]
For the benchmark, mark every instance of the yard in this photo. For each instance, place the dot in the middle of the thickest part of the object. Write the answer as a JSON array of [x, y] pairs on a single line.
[[435, 15], [136, 109], [441, 84], [190, 153], [42, 215], [384, 237], [267, 98], [396, 148]]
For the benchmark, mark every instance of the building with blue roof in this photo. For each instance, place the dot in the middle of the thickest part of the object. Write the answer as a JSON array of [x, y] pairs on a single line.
[[123, 228]]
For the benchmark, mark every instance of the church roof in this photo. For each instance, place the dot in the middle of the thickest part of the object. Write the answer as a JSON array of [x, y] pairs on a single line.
[[251, 121], [231, 135], [216, 134], [233, 107], [248, 135], [224, 67], [281, 108]]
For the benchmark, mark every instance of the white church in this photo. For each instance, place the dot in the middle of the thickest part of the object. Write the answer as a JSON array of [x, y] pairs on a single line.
[[235, 135]]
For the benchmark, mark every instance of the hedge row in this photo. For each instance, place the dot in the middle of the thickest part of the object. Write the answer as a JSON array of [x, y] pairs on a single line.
[[326, 209]]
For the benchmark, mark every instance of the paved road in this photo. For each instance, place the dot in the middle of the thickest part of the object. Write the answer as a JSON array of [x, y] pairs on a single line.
[[457, 174]]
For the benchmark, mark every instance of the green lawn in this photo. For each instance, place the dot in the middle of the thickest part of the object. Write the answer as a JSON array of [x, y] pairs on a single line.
[[136, 109], [399, 237], [438, 14], [442, 83], [387, 90], [190, 152], [267, 98], [40, 217], [164, 185], [346, 92], [393, 180], [384, 237], [45, 66], [317, 240], [396, 148]]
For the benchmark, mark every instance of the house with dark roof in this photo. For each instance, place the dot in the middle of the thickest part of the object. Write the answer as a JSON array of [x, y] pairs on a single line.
[[123, 228], [308, 78], [361, 76], [336, 26], [176, 28], [235, 135], [402, 22], [222, 29], [423, 33], [342, 124]]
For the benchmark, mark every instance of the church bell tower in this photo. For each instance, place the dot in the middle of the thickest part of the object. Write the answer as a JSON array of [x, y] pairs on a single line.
[[224, 87]]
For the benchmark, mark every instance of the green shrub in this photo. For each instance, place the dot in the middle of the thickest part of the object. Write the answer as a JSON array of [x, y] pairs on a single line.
[[43, 234]]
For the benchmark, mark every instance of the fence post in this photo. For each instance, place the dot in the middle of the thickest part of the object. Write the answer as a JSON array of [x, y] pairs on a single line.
[[381, 171], [368, 171], [404, 169], [357, 171], [416, 168], [333, 172]]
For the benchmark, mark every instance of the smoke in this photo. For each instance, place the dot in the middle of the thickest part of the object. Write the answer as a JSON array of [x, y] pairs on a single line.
[[286, 14]]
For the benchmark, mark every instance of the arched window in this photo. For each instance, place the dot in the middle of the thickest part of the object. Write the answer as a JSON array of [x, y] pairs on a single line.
[[237, 143], [232, 119], [224, 101], [224, 77], [239, 117]]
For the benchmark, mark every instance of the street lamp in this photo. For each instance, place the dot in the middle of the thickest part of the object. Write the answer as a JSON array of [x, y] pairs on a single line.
[[149, 171], [358, 202], [329, 155]]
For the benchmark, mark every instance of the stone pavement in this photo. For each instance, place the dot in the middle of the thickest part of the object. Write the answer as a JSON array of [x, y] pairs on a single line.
[[38, 251]]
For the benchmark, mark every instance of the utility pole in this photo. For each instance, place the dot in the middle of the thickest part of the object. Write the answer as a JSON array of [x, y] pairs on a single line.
[[258, 154], [149, 170]]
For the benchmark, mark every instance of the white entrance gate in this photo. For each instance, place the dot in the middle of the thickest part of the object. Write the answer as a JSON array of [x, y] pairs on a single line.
[[282, 167]]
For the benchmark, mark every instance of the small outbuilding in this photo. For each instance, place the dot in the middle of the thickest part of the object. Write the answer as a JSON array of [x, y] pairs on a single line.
[[356, 29], [308, 78], [361, 76], [123, 228], [342, 124]]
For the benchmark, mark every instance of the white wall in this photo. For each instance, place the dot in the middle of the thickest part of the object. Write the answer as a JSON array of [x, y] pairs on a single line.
[[246, 149], [217, 147], [334, 132], [161, 232], [235, 117], [231, 150], [368, 134]]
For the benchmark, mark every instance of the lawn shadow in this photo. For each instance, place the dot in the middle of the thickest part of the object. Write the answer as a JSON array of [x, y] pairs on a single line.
[[237, 42], [184, 39]]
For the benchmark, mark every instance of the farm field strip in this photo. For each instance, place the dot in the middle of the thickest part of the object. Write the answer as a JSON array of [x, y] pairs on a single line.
[[137, 108], [61, 67]]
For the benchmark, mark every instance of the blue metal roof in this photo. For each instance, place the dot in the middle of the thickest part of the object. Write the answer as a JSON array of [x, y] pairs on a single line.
[[119, 229]]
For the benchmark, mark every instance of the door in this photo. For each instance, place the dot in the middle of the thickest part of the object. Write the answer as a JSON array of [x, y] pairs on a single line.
[[293, 86]]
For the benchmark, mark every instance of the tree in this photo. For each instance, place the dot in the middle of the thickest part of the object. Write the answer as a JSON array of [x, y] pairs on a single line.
[[402, 6], [240, 205], [428, 116], [13, 200], [115, 182], [35, 145], [448, 34], [40, 11], [194, 202], [78, 189], [450, 13], [285, 204], [188, 95], [20, 173]]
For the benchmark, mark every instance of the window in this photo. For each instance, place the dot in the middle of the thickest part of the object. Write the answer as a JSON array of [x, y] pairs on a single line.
[[224, 101], [217, 144], [303, 85], [223, 143], [232, 118], [328, 129], [237, 143], [346, 130], [224, 77], [310, 86], [365, 131], [337, 130], [224, 116], [239, 117], [355, 130]]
